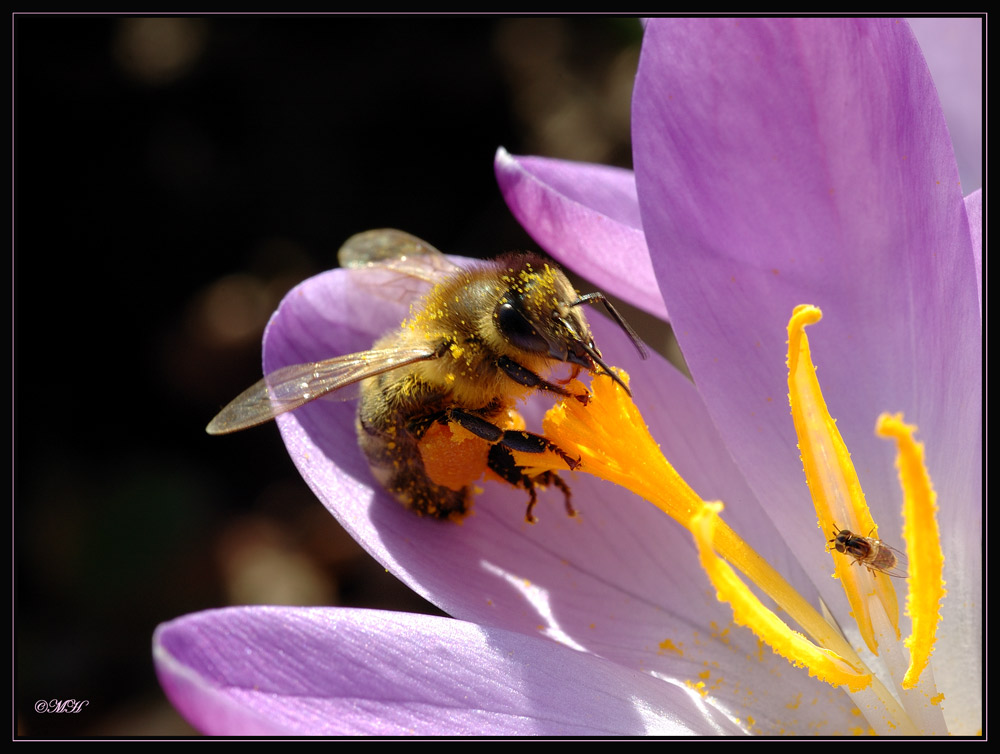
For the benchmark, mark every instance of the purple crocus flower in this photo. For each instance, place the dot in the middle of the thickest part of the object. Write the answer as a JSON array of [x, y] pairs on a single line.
[[778, 162]]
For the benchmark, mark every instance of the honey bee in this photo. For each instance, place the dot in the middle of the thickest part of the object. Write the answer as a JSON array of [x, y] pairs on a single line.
[[480, 339], [873, 554]]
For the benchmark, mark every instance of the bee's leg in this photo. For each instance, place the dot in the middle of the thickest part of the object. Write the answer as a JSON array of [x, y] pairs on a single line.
[[501, 461], [552, 477], [529, 516], [515, 439], [524, 376]]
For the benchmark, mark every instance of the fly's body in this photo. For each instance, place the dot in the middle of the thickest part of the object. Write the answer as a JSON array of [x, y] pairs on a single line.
[[870, 552]]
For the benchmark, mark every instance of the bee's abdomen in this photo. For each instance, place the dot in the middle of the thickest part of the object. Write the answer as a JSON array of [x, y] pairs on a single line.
[[390, 444]]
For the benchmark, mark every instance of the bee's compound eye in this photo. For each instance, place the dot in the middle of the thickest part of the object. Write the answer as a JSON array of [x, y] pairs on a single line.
[[515, 327]]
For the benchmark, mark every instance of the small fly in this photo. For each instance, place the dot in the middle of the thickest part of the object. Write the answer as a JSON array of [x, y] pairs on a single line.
[[872, 553]]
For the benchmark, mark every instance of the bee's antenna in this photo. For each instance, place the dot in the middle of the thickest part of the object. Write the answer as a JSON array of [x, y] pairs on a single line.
[[607, 370], [594, 355], [590, 298]]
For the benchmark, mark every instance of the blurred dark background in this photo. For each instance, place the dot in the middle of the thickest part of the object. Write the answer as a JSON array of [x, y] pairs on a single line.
[[173, 178]]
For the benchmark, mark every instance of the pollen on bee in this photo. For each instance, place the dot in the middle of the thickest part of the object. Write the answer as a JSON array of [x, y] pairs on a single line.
[[453, 457]]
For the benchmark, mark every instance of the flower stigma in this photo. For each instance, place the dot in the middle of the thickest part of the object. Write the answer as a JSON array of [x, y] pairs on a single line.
[[612, 441]]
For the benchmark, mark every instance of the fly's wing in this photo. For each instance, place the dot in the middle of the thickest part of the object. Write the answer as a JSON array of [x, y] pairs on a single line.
[[288, 388], [409, 264], [894, 565]]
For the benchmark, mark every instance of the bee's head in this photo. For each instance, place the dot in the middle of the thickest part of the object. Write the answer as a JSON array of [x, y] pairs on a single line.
[[540, 313]]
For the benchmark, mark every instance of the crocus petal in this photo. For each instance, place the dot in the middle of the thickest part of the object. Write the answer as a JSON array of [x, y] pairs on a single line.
[[301, 671], [974, 209], [953, 48], [587, 217], [783, 161], [620, 581]]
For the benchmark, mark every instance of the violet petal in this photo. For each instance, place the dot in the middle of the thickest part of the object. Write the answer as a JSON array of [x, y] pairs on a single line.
[[810, 163], [953, 48], [587, 217], [316, 671], [974, 209]]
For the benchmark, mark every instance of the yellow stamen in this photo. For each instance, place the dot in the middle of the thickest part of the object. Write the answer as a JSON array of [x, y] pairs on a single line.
[[923, 544], [612, 442], [610, 437], [833, 482], [750, 612]]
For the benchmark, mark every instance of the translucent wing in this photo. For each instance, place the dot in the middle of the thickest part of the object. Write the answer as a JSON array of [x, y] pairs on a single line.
[[409, 264], [873, 554], [288, 388], [889, 561]]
